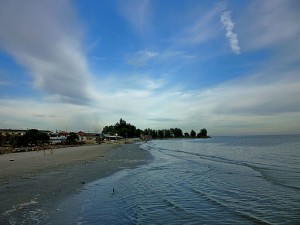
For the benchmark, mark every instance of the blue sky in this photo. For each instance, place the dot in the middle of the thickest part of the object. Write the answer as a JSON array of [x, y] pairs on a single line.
[[232, 67]]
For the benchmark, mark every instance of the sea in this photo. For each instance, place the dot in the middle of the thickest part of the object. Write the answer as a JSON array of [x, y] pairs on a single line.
[[221, 180]]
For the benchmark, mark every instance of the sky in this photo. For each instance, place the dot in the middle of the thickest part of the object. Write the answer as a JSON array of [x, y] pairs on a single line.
[[232, 67]]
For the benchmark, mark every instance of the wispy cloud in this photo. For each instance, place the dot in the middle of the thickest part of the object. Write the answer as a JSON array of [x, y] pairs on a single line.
[[44, 37], [201, 27], [162, 120], [146, 58], [232, 37], [140, 83], [45, 116], [104, 58], [141, 58], [273, 23], [138, 14], [4, 83]]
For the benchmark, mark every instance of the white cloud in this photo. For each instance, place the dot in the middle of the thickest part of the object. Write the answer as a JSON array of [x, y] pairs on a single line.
[[249, 105], [42, 114], [252, 105], [232, 37], [259, 99], [44, 37]]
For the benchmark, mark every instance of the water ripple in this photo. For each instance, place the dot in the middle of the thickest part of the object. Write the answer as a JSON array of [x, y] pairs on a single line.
[[219, 181]]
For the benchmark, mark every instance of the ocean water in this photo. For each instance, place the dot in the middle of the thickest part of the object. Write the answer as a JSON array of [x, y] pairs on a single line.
[[222, 180]]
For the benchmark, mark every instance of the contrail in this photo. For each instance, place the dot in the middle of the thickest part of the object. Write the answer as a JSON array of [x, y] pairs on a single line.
[[232, 37]]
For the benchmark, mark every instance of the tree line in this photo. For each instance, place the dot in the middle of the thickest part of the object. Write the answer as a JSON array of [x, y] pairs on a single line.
[[33, 137], [126, 130], [30, 138]]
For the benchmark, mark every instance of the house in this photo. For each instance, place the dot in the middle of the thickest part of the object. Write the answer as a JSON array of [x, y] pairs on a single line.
[[58, 137], [112, 137]]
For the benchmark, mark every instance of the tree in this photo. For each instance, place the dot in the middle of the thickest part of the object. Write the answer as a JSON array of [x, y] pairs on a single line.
[[35, 137], [44, 138], [18, 141], [160, 134], [72, 138], [193, 133], [124, 132], [202, 134], [2, 140], [109, 129], [186, 134], [138, 132], [123, 129], [167, 133], [154, 134], [178, 133], [31, 137]]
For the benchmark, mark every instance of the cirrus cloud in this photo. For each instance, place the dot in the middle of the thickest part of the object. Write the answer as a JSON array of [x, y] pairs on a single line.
[[44, 38]]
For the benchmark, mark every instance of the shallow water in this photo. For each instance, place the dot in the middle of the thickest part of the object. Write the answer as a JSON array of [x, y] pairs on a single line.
[[223, 180]]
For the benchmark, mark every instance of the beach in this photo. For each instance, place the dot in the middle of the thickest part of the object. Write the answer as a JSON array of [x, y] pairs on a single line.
[[41, 179]]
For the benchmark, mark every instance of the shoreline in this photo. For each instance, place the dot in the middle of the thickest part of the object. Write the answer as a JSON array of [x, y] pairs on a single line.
[[37, 181], [25, 164]]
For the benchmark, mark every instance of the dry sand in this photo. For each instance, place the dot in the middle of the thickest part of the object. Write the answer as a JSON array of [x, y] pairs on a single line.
[[24, 164], [48, 177]]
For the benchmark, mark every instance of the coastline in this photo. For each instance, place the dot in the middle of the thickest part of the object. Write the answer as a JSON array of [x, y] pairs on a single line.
[[38, 180]]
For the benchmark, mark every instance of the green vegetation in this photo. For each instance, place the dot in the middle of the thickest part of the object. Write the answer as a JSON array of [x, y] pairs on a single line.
[[193, 133], [34, 137], [127, 130], [30, 138], [72, 138], [123, 129], [202, 134]]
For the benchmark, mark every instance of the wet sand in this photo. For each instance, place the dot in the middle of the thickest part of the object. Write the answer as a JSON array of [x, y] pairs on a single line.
[[41, 179]]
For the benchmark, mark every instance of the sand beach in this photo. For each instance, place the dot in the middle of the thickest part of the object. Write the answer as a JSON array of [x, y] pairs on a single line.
[[45, 177]]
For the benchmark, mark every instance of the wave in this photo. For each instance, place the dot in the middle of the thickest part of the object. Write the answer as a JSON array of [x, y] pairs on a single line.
[[259, 167], [24, 213]]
